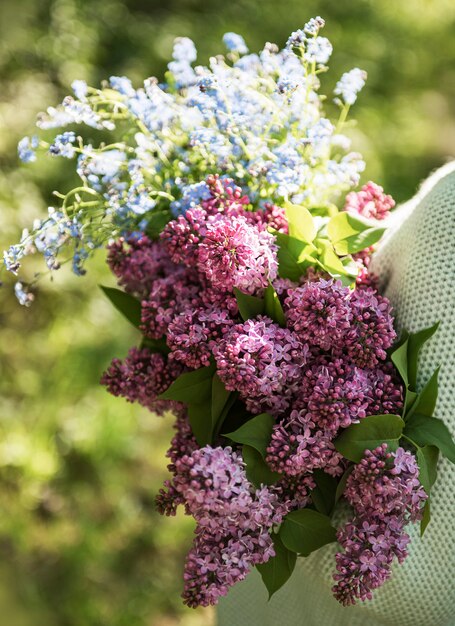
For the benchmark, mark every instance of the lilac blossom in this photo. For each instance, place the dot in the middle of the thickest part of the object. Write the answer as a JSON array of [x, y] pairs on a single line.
[[370, 202]]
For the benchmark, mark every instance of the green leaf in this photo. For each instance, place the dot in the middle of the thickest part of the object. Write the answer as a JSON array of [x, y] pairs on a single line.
[[430, 431], [399, 358], [301, 223], [156, 221], [190, 387], [155, 345], [257, 470], [416, 341], [249, 306], [427, 459], [324, 211], [293, 256], [221, 400], [425, 401], [342, 483], [350, 234], [195, 390], [273, 308], [256, 433], [330, 261], [426, 516], [369, 433], [127, 304], [323, 496], [279, 568], [305, 531]]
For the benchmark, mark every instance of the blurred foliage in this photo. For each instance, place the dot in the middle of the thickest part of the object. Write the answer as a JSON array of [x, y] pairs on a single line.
[[81, 544]]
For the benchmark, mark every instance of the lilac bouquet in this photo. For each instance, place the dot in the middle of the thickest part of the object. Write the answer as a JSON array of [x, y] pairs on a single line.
[[227, 203]]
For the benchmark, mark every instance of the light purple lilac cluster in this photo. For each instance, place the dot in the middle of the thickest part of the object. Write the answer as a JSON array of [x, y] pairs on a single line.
[[233, 522], [386, 495], [370, 202]]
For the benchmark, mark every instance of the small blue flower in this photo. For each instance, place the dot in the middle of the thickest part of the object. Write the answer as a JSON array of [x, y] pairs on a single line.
[[184, 50], [63, 145], [235, 43], [80, 89], [24, 297], [123, 85], [26, 149], [350, 84]]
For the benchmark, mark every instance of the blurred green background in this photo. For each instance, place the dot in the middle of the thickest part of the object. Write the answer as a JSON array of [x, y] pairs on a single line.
[[80, 542]]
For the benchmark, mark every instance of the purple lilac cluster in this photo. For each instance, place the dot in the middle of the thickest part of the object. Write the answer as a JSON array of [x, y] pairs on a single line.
[[141, 377], [386, 494], [233, 521]]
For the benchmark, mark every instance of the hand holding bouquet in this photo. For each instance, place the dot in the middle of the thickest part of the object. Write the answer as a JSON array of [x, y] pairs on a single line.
[[226, 201]]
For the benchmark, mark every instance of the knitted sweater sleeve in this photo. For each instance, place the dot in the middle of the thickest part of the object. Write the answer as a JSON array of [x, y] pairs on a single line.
[[416, 264]]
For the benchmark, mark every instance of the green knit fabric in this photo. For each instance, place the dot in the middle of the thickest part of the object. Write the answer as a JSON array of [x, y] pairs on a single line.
[[416, 263]]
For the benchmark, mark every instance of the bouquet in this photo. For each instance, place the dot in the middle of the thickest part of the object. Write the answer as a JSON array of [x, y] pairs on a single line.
[[227, 202]]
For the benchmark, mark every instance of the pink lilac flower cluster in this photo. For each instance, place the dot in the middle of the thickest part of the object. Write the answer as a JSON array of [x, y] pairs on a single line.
[[233, 521], [370, 202], [386, 494]]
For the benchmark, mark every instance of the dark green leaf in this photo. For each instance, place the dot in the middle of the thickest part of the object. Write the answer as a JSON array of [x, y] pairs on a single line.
[[430, 431], [127, 304], [399, 358], [425, 517], [156, 221], [425, 401], [369, 433], [342, 483], [279, 568], [256, 433], [301, 223], [257, 470], [221, 398], [273, 308], [155, 345], [200, 421], [323, 496], [249, 306], [416, 341], [305, 530], [427, 459], [191, 387]]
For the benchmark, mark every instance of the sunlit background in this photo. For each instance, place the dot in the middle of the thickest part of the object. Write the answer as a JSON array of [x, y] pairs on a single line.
[[81, 544]]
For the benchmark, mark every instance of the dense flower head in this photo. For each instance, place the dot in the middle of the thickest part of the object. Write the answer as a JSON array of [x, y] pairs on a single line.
[[386, 494], [371, 330], [224, 196], [192, 334], [138, 262], [261, 361], [233, 521], [298, 447], [319, 313], [168, 297], [234, 253], [370, 202], [141, 377]]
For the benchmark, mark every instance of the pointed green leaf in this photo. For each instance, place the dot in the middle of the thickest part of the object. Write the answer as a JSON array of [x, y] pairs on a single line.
[[156, 221], [416, 341], [273, 308], [425, 517], [323, 495], [249, 306], [329, 259], [155, 345], [369, 433], [279, 568], [342, 483], [399, 358], [427, 460], [430, 431], [257, 470], [127, 304], [425, 401], [221, 400], [301, 223], [191, 387], [350, 234], [305, 531], [256, 432], [293, 256], [200, 421]]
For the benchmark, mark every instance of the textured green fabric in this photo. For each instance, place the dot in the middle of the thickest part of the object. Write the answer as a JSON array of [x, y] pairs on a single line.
[[416, 263]]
